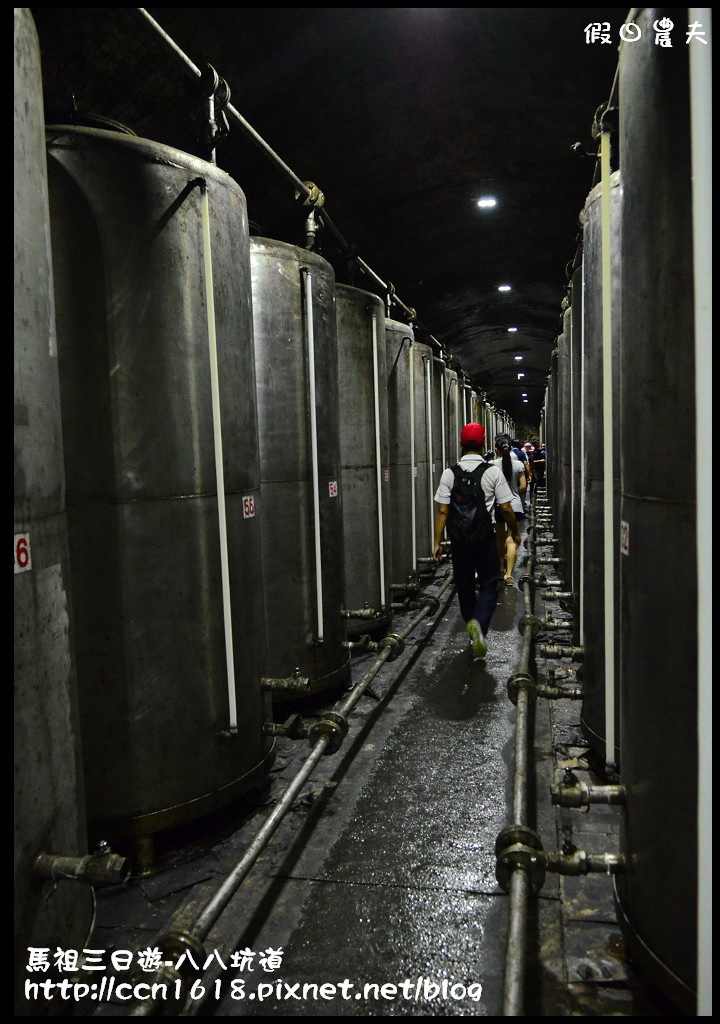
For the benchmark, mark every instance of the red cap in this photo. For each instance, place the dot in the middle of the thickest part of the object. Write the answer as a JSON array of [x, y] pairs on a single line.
[[472, 432]]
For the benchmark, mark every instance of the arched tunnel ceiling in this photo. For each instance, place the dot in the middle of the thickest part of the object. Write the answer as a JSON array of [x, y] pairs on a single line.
[[404, 117]]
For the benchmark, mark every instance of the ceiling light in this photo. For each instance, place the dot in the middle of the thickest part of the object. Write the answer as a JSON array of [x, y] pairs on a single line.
[[487, 201], [504, 287], [525, 401], [518, 358], [520, 375], [511, 330], [524, 394]]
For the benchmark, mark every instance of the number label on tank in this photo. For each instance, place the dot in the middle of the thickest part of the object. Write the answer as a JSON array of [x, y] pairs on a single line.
[[248, 506], [333, 488], [23, 559], [414, 470], [387, 474], [624, 538]]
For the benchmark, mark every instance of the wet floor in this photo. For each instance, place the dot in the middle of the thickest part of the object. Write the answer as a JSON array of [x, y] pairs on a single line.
[[377, 895]]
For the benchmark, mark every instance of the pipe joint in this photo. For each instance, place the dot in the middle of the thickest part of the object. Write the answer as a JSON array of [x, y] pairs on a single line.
[[530, 581], [552, 595], [332, 725], [363, 644], [519, 848], [522, 681], [395, 643], [531, 622], [101, 868], [432, 604], [184, 948], [550, 623], [546, 560]]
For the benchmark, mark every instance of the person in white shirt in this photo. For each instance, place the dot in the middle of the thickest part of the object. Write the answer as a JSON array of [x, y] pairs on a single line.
[[476, 563]]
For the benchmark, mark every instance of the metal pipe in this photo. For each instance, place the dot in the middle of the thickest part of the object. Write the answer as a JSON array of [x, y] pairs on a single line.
[[519, 881], [98, 869], [219, 471], [411, 365], [307, 276], [608, 501], [378, 461], [702, 190], [514, 982]]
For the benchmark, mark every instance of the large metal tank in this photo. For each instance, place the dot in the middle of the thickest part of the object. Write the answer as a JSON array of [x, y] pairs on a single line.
[[293, 292], [658, 894], [576, 328], [402, 428], [564, 453], [593, 561], [438, 436], [365, 456], [166, 579], [421, 398], [48, 793], [452, 414]]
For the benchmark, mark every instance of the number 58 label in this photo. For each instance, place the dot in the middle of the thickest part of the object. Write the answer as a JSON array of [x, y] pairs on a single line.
[[23, 559]]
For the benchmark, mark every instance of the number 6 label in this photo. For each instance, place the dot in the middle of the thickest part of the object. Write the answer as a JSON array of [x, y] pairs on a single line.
[[23, 561]]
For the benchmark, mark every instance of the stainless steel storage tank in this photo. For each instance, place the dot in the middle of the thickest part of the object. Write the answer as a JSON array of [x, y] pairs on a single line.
[[576, 328], [48, 790], [437, 438], [564, 455], [166, 578], [364, 456], [293, 293], [593, 559], [404, 379], [452, 412], [659, 610]]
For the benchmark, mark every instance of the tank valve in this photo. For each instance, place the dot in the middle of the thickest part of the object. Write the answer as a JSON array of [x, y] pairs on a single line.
[[293, 727], [573, 793], [103, 867], [581, 863], [294, 683], [560, 651]]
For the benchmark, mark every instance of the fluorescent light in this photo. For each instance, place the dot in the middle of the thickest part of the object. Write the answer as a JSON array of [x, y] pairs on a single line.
[[518, 358], [504, 287], [511, 330], [487, 201], [525, 401]]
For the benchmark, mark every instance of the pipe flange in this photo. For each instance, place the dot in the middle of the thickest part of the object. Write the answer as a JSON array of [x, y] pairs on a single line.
[[395, 643], [522, 681], [334, 726], [519, 847], [175, 943], [530, 580], [432, 604], [535, 624]]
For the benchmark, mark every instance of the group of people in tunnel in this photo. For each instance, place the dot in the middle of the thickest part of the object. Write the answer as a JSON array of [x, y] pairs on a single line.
[[480, 502]]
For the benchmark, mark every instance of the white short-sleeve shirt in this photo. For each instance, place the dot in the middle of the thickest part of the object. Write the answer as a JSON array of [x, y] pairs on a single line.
[[494, 485]]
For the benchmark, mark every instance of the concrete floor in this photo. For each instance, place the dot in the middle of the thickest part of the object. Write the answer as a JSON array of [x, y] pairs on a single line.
[[383, 873]]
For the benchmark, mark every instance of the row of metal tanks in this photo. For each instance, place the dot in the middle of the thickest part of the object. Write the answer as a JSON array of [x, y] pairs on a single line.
[[620, 418], [225, 463]]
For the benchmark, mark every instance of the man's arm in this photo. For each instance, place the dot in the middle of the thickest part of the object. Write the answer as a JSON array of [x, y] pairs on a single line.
[[440, 520], [508, 515]]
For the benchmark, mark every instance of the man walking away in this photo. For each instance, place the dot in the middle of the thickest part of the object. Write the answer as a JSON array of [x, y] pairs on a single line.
[[466, 497]]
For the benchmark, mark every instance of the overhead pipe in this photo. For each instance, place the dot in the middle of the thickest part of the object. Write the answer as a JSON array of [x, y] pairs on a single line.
[[702, 191], [219, 471], [325, 737], [307, 281], [378, 459]]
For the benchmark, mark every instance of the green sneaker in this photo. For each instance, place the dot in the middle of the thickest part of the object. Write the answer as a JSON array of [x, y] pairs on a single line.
[[478, 645]]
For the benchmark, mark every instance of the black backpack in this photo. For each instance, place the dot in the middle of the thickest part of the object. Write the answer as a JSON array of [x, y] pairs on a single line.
[[468, 520]]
